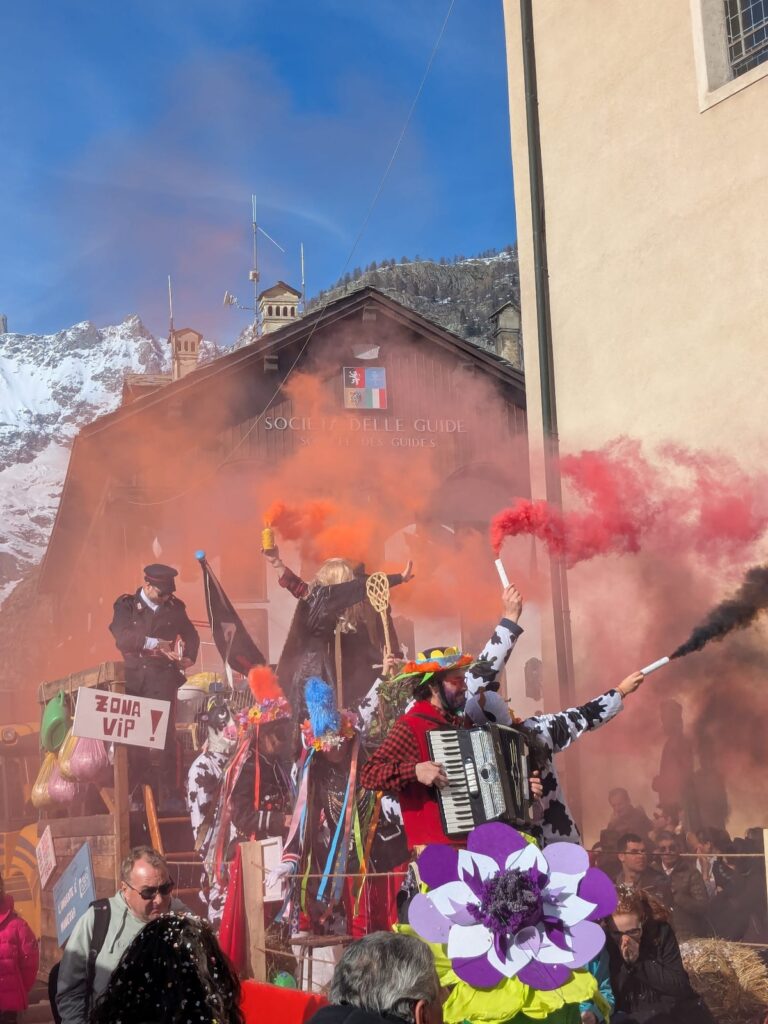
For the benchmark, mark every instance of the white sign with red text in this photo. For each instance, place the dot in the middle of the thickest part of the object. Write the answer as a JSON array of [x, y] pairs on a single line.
[[121, 718]]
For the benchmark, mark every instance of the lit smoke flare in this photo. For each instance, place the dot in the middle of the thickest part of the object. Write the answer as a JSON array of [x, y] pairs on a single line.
[[737, 612]]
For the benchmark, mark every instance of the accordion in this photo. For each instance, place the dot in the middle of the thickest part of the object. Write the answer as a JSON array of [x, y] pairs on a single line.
[[487, 770]]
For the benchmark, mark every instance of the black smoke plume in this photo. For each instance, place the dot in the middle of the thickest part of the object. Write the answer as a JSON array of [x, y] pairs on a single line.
[[737, 612]]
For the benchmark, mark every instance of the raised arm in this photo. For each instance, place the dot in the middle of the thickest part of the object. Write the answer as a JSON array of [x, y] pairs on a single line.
[[496, 652], [561, 729]]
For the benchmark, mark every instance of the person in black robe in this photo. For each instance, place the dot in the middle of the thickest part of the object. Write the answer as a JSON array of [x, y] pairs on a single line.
[[335, 600]]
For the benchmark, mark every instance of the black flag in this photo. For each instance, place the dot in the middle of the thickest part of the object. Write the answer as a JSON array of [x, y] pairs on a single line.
[[232, 639]]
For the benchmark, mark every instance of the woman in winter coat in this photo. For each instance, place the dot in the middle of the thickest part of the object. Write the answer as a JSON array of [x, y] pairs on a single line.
[[647, 975], [19, 958]]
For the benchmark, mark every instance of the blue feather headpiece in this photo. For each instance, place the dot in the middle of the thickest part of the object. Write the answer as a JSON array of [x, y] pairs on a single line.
[[321, 704], [327, 726]]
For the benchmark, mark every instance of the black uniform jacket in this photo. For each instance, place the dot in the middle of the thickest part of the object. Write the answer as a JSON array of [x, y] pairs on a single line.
[[148, 674]]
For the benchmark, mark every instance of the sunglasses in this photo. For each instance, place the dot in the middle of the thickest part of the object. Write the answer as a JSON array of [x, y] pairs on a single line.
[[633, 933], [150, 891], [667, 849]]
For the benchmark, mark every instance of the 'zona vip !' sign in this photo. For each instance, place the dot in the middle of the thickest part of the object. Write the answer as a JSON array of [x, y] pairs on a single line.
[[121, 718]]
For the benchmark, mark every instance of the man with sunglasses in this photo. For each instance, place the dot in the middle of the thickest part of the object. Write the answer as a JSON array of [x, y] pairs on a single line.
[[689, 893], [145, 893]]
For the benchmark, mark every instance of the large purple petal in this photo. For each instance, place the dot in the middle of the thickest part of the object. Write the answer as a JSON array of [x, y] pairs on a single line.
[[556, 935], [439, 864], [427, 921], [495, 840], [544, 977], [596, 887], [476, 971], [567, 858], [586, 939]]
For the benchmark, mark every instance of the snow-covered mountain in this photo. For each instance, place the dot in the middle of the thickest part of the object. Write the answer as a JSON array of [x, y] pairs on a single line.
[[54, 384], [51, 385]]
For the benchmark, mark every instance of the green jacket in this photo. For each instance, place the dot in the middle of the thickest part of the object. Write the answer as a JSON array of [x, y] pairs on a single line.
[[72, 998]]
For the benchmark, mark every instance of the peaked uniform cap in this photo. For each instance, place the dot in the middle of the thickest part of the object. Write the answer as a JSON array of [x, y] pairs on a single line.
[[161, 576]]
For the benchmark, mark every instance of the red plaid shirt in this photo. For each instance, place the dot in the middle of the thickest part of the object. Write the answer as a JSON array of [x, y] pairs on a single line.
[[393, 765]]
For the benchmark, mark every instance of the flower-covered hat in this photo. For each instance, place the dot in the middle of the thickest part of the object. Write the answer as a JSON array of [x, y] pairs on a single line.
[[431, 661], [327, 727], [511, 924], [270, 703]]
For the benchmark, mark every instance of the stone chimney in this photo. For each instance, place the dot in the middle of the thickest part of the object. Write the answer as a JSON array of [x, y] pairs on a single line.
[[278, 306], [185, 349], [506, 334], [3, 323]]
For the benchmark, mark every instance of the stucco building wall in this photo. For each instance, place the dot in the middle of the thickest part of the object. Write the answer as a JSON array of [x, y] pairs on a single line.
[[655, 173]]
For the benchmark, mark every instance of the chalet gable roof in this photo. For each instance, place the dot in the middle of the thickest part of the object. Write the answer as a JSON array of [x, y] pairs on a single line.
[[300, 331], [191, 396]]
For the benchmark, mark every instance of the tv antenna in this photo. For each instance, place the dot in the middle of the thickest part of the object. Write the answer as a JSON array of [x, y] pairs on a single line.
[[253, 275], [303, 286], [170, 311]]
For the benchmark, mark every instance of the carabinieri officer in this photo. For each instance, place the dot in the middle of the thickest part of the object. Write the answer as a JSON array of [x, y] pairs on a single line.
[[157, 641]]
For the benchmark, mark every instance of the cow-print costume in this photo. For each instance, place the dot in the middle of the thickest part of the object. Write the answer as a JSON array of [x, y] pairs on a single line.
[[557, 732], [215, 723], [203, 789], [550, 734]]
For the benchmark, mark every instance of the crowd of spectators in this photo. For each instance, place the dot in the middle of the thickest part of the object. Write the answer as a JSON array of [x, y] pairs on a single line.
[[710, 884]]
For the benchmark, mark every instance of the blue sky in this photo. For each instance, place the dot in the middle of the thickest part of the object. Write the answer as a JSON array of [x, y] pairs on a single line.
[[133, 135]]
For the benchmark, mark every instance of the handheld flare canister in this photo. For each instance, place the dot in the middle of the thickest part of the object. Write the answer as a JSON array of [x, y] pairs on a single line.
[[502, 573], [268, 539], [654, 666]]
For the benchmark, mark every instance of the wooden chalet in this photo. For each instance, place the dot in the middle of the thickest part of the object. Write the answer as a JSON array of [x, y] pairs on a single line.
[[176, 467]]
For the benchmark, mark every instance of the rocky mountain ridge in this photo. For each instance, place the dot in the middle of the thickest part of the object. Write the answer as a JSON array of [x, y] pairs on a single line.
[[461, 295]]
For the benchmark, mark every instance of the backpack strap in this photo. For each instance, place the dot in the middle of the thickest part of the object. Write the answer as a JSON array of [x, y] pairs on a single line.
[[101, 916]]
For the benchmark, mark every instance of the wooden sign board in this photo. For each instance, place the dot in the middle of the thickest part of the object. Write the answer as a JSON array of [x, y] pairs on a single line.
[[121, 718]]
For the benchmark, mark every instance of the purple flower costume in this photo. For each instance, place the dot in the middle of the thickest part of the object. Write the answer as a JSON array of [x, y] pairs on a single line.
[[504, 909]]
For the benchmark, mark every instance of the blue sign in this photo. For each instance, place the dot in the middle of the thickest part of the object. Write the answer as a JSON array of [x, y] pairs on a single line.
[[73, 893]]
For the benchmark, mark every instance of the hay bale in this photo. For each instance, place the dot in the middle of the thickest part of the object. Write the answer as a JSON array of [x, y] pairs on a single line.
[[732, 979]]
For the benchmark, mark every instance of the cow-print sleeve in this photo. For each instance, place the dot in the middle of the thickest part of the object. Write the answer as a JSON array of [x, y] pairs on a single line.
[[494, 655], [560, 730]]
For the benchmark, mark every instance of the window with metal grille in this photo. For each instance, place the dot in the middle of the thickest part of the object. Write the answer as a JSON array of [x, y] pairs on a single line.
[[747, 28]]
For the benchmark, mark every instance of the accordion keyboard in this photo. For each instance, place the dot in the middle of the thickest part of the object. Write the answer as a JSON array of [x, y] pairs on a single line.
[[487, 771], [462, 778]]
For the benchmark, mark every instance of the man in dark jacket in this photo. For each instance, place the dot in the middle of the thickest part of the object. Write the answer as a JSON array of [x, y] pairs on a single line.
[[157, 641], [648, 978], [637, 874], [689, 894], [381, 978]]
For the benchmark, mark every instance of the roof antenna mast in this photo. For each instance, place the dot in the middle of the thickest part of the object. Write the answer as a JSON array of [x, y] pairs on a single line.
[[303, 287], [170, 308], [254, 274]]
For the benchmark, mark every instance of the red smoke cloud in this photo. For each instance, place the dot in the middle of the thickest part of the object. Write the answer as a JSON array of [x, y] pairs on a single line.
[[624, 499]]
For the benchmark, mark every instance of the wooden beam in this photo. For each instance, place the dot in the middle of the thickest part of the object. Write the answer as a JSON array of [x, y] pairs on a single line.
[[122, 818], [152, 823], [108, 796], [253, 900], [109, 675]]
